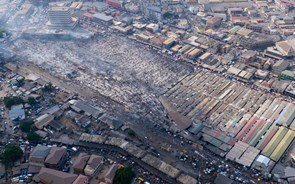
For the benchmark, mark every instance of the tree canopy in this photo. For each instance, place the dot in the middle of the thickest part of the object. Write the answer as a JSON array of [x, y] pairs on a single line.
[[33, 137], [20, 82], [26, 125], [32, 101], [14, 100], [2, 31], [131, 132], [48, 87], [124, 175], [10, 154]]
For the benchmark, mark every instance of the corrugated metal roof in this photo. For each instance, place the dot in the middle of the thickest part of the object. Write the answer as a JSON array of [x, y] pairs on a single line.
[[292, 126], [17, 112], [102, 17], [287, 115], [283, 145], [259, 134], [40, 151], [274, 142], [253, 130], [267, 137]]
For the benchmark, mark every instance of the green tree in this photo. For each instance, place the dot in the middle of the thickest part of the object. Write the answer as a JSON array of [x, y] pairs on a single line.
[[10, 101], [20, 83], [124, 175], [48, 88], [33, 137], [32, 101], [53, 101], [131, 132], [9, 155], [26, 125], [168, 15], [2, 31]]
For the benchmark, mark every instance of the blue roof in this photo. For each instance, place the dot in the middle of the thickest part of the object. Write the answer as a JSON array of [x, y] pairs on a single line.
[[17, 112], [40, 151]]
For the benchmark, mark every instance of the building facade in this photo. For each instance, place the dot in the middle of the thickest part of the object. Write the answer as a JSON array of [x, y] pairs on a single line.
[[60, 18]]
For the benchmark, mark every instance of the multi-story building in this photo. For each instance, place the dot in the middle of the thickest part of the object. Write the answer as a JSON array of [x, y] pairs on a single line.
[[60, 18], [56, 158], [154, 13], [38, 156], [287, 75], [280, 66], [287, 48], [285, 5]]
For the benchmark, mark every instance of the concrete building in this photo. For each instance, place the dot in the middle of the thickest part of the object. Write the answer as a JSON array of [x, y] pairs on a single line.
[[285, 5], [248, 56], [80, 163], [280, 66], [56, 158], [93, 165], [287, 48], [169, 42], [111, 174], [60, 18], [38, 156], [25, 11], [43, 121], [81, 106], [261, 163], [287, 75], [51, 176], [290, 91], [154, 13], [101, 18], [213, 22], [81, 179], [152, 27]]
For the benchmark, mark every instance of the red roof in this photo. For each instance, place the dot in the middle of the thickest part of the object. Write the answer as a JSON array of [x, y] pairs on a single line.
[[214, 20], [268, 138], [81, 179], [247, 127], [114, 3]]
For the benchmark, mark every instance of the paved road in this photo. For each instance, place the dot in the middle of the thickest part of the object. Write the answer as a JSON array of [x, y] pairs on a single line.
[[123, 152]]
